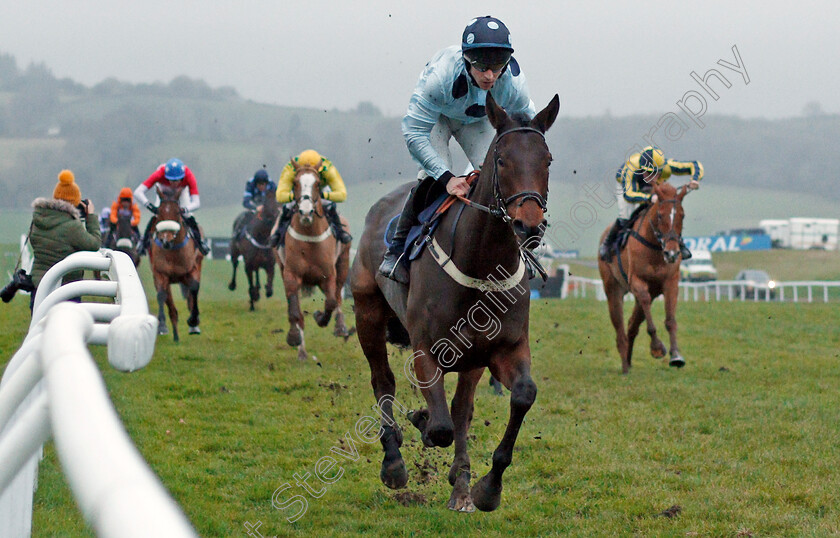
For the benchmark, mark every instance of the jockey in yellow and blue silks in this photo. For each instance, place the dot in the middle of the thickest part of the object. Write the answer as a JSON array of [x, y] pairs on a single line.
[[336, 193], [635, 178]]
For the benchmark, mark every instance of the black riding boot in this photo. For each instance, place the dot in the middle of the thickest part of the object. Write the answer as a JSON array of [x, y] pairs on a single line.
[[278, 238], [331, 212], [196, 235], [604, 251], [144, 243], [391, 266], [686, 254]]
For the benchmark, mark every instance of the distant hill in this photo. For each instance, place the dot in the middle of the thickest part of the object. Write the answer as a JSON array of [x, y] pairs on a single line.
[[114, 134]]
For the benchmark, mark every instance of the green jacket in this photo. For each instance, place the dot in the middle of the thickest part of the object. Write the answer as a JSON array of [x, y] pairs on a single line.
[[57, 232]]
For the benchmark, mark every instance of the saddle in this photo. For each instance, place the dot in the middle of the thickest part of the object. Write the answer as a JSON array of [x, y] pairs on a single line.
[[416, 239]]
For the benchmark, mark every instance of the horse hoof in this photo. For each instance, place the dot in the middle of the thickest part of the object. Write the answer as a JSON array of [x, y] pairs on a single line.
[[677, 362], [294, 339], [394, 476], [485, 497], [341, 332], [302, 355], [194, 330], [321, 318], [658, 353], [232, 286], [269, 292], [163, 329], [461, 503]]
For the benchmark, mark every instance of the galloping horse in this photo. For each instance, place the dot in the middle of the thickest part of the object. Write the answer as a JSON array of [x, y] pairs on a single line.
[[648, 266], [312, 257], [459, 323], [252, 244], [175, 259], [124, 238]]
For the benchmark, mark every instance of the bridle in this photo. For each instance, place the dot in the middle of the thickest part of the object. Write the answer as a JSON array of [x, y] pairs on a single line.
[[500, 203], [308, 196], [660, 237]]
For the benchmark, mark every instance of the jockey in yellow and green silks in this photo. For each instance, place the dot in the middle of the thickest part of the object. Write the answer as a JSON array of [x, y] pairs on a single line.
[[332, 191], [635, 178]]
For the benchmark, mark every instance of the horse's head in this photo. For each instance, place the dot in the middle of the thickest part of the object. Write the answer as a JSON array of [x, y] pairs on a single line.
[[520, 161], [667, 218], [270, 207], [307, 192], [169, 225]]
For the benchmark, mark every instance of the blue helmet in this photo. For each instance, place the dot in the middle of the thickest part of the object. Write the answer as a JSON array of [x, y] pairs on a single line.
[[174, 170], [486, 33], [261, 176]]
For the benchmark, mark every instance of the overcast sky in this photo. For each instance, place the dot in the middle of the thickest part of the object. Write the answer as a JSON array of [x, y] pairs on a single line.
[[621, 57]]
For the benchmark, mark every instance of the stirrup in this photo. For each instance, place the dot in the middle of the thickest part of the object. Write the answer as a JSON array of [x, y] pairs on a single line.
[[392, 268]]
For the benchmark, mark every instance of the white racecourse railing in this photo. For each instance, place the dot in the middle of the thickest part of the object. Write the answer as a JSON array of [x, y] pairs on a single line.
[[52, 387], [731, 290]]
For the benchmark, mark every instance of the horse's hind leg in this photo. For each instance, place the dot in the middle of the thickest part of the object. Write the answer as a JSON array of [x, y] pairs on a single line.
[[371, 321], [435, 424], [671, 294], [462, 413], [515, 373], [615, 298], [173, 313], [341, 269]]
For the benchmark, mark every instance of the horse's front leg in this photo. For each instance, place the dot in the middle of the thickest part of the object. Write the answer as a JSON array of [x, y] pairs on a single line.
[[162, 290], [327, 286], [193, 285], [633, 325], [253, 290], [173, 312], [671, 295], [642, 294], [462, 413], [296, 323], [234, 260], [514, 371], [615, 301], [269, 276]]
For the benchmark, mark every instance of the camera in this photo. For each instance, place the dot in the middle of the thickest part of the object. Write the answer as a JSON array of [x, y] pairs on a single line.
[[83, 206], [20, 281]]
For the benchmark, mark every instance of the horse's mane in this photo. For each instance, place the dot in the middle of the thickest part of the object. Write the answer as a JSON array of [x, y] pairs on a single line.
[[667, 188]]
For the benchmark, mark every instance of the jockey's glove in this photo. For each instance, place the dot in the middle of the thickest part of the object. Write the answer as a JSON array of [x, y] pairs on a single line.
[[152, 207]]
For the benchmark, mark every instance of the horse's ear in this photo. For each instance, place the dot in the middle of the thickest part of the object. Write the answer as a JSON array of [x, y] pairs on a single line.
[[545, 119], [157, 188], [294, 163], [682, 193], [495, 113]]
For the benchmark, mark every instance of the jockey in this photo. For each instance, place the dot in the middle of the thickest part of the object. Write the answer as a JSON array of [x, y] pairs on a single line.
[[634, 185], [124, 205], [336, 193], [448, 102], [255, 190], [171, 174]]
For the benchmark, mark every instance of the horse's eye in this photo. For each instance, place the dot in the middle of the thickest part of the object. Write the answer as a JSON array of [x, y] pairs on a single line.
[[500, 162]]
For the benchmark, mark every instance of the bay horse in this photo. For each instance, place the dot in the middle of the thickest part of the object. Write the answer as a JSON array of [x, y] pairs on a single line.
[[124, 238], [312, 256], [459, 323], [175, 259], [647, 267], [251, 233]]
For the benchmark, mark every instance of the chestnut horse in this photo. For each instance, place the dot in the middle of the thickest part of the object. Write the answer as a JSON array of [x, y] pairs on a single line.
[[649, 265], [253, 245], [312, 256], [175, 259], [459, 323]]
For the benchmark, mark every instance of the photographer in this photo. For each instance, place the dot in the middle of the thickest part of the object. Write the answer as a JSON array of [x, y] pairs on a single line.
[[61, 226]]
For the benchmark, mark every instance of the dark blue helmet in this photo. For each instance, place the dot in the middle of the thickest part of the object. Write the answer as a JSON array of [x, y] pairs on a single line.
[[174, 170], [486, 32], [261, 176]]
